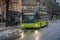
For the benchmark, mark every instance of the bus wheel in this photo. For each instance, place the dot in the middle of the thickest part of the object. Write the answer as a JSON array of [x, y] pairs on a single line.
[[40, 24]]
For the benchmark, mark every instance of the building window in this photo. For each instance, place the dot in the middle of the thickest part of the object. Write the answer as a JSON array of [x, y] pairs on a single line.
[[29, 8], [14, 7]]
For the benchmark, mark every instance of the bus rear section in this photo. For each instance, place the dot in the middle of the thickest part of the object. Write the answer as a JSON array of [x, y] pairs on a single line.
[[44, 19]]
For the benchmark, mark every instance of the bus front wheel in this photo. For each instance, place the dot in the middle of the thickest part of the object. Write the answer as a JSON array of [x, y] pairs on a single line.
[[46, 24]]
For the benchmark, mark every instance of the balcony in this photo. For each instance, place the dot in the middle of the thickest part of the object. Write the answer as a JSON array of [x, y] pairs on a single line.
[[29, 3], [14, 0], [29, 10], [29, 0]]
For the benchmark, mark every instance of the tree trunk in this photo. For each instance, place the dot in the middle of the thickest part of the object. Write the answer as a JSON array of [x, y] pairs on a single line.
[[7, 11]]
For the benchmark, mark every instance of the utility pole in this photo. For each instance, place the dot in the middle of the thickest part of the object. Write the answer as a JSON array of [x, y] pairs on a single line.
[[7, 11]]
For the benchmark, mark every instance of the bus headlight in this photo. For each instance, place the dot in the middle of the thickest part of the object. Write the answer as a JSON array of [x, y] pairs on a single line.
[[36, 25], [22, 25]]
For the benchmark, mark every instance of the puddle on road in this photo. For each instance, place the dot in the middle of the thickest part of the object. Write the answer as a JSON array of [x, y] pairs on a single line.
[[29, 32], [26, 34], [31, 35]]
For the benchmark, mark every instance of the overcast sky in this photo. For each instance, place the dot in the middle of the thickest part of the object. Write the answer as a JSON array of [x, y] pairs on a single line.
[[58, 1]]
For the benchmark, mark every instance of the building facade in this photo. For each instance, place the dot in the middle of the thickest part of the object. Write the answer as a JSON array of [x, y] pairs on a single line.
[[33, 5], [14, 5], [29, 6]]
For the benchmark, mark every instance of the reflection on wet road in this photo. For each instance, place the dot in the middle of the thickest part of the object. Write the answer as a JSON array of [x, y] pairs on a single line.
[[52, 32], [30, 35]]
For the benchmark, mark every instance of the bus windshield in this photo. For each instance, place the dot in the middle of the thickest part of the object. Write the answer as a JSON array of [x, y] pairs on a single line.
[[29, 19]]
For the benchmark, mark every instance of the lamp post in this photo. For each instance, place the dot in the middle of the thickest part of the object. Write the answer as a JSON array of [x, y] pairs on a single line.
[[7, 11]]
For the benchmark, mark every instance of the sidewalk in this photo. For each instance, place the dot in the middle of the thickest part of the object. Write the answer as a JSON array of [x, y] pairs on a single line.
[[2, 27], [9, 32]]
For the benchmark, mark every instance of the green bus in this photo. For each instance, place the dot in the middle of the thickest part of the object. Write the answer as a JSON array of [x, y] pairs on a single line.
[[30, 20]]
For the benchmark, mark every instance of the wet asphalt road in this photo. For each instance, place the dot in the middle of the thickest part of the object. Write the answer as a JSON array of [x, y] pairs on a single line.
[[52, 32]]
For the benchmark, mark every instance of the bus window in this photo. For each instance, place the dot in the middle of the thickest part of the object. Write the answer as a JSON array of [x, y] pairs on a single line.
[[43, 17], [29, 18]]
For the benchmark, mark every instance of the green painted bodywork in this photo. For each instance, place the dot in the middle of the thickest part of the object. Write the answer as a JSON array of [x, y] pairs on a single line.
[[43, 23], [38, 24], [31, 25]]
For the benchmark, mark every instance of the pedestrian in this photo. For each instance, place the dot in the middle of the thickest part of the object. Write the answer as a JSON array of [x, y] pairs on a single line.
[[54, 17], [13, 20], [16, 19]]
